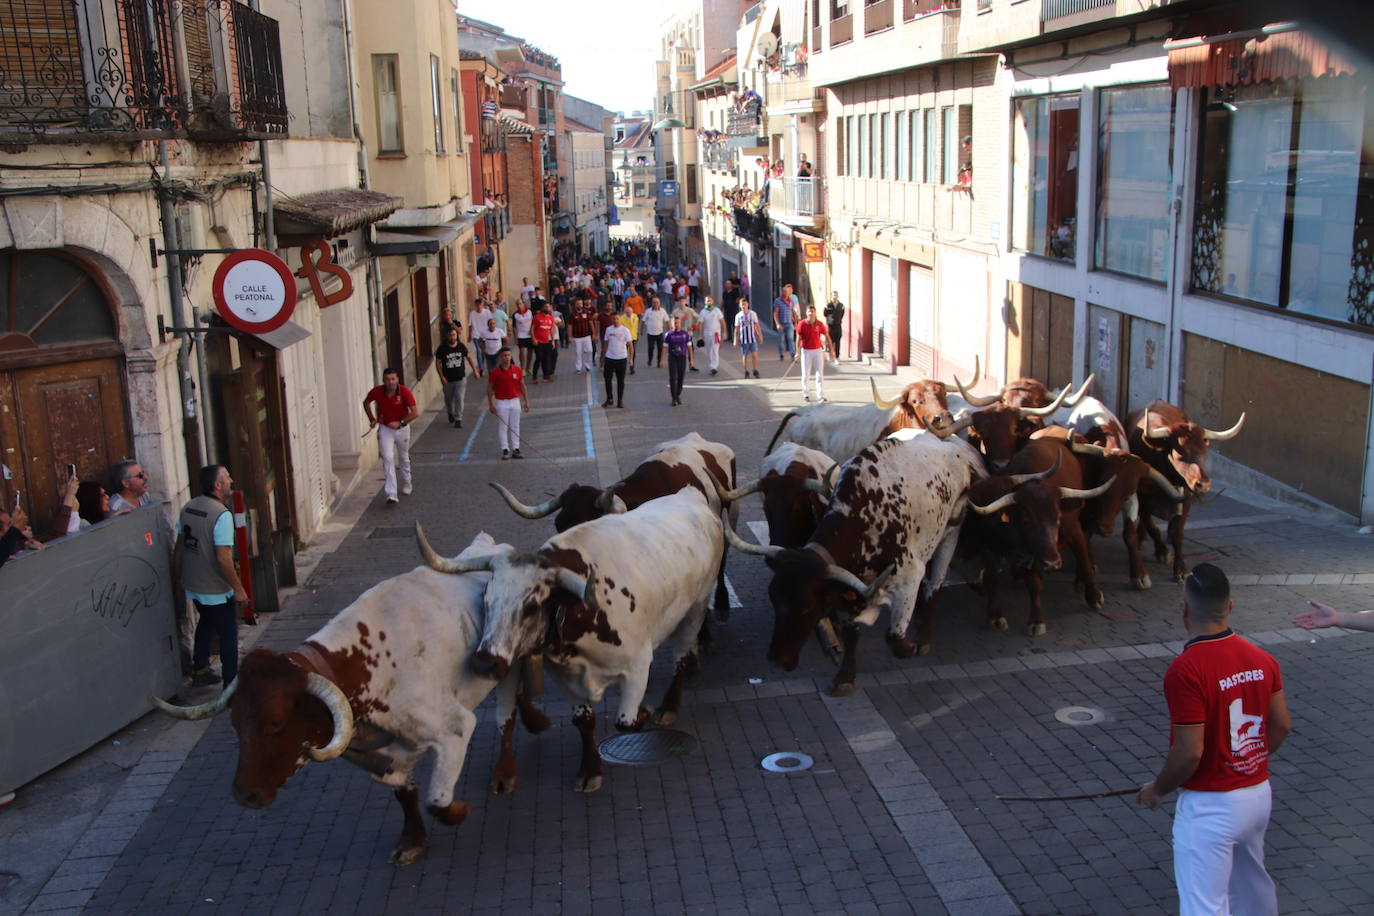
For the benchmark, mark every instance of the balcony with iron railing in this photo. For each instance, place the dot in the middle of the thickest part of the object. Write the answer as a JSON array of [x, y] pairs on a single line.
[[77, 70], [1054, 9], [914, 33], [719, 156], [877, 16], [745, 129], [915, 9], [796, 201]]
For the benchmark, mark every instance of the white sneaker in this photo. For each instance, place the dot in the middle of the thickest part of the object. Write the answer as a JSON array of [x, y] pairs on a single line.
[[391, 500], [407, 490]]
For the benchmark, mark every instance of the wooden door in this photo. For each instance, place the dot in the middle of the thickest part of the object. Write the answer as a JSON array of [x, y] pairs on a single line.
[[51, 416]]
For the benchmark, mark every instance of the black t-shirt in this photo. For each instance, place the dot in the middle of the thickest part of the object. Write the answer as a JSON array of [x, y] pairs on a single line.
[[731, 298], [834, 314], [453, 361]]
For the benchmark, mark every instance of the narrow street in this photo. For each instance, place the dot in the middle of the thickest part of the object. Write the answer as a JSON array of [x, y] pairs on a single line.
[[898, 813]]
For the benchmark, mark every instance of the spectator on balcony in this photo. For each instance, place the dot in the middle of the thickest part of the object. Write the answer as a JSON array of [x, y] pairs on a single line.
[[803, 167]]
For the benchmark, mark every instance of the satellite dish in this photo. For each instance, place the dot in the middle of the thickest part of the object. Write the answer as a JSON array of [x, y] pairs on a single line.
[[768, 44]]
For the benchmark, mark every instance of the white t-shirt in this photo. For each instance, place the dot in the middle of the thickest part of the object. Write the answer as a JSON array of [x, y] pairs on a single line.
[[712, 322], [617, 342], [693, 278], [478, 320], [526, 292], [655, 320], [667, 286], [490, 340], [523, 320]]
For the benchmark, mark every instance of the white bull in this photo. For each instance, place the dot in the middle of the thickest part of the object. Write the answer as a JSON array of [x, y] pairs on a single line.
[[596, 600]]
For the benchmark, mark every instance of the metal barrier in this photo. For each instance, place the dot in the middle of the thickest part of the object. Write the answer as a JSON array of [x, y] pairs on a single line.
[[1053, 9], [87, 632]]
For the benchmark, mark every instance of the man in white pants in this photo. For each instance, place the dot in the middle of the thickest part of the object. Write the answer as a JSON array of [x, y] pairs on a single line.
[[712, 323], [396, 410], [506, 393], [1228, 714], [812, 342]]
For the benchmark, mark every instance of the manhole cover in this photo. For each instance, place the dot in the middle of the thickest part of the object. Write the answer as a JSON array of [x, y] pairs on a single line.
[[646, 748], [1080, 715], [389, 531], [787, 762]]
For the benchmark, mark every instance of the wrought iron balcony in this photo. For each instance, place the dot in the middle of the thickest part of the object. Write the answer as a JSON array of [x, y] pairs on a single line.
[[1053, 9], [746, 128], [70, 69], [793, 198], [719, 156]]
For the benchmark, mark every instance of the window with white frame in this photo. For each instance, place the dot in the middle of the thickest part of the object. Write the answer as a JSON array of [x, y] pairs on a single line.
[[1045, 132], [436, 95], [387, 87]]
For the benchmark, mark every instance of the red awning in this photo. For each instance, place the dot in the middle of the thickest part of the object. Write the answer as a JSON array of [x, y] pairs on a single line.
[[1245, 61]]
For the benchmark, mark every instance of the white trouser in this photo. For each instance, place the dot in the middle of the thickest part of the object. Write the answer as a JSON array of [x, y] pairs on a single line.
[[813, 365], [395, 445], [713, 351], [1219, 852], [508, 422], [582, 352]]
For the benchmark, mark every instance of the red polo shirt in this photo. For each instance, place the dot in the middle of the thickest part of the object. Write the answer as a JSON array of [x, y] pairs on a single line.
[[505, 383], [392, 409], [543, 328], [811, 333]]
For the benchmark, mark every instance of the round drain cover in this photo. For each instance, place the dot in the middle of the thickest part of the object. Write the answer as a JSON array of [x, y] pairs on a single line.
[[1080, 715], [787, 762], [646, 748]]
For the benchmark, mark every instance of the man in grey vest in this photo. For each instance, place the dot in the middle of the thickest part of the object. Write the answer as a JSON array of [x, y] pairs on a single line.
[[204, 565]]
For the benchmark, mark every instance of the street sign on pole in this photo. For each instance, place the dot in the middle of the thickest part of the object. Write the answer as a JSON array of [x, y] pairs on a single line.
[[254, 291]]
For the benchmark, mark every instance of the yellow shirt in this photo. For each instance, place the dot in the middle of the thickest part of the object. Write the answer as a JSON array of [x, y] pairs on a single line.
[[630, 322]]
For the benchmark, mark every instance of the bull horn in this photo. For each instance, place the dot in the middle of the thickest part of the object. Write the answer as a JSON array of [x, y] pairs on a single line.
[[846, 578], [878, 400], [1018, 479], [1175, 494], [975, 400], [944, 432], [436, 562], [977, 371], [519, 508], [1072, 400], [1071, 493], [1085, 448], [1046, 410], [730, 496], [829, 478], [743, 546], [610, 504], [1156, 432], [1204, 500], [583, 587], [1226, 433], [203, 711], [997, 505], [334, 700]]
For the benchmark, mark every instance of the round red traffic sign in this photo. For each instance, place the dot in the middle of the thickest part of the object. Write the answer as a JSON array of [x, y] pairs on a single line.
[[254, 291]]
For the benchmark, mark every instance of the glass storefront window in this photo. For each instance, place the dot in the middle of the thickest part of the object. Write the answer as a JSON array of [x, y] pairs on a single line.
[[1135, 160], [1282, 218], [1045, 176]]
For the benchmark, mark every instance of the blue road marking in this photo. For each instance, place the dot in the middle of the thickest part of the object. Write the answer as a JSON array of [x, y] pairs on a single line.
[[587, 431], [472, 436]]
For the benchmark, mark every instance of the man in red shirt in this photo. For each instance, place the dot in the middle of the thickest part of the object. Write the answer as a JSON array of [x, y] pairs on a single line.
[[396, 410], [584, 329], [1228, 714], [544, 329], [505, 393], [812, 341]]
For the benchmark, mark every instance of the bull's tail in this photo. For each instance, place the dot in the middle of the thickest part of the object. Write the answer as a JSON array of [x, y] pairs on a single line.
[[781, 426], [722, 594]]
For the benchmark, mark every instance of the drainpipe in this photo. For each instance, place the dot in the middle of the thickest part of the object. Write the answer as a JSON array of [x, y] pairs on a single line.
[[190, 423], [374, 281]]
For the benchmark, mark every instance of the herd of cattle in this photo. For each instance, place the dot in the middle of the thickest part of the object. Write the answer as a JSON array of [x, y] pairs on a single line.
[[867, 509]]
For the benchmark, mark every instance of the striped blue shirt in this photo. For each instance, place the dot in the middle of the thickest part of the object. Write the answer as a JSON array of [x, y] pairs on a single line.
[[747, 328]]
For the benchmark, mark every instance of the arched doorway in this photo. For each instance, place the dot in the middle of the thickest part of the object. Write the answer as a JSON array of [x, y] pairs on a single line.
[[61, 378]]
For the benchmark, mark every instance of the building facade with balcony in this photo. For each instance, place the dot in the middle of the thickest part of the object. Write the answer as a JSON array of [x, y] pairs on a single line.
[[636, 175], [591, 140], [139, 147], [1186, 219], [486, 135]]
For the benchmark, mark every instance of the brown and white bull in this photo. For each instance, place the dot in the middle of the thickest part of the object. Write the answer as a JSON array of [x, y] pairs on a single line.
[[1023, 518], [596, 601], [842, 431], [796, 484], [384, 683], [1171, 443], [1094, 421], [884, 543], [688, 461]]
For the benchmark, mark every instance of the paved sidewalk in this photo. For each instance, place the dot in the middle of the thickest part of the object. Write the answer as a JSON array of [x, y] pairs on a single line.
[[898, 813]]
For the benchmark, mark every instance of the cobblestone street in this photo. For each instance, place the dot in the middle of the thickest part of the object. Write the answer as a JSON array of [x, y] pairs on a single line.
[[899, 812]]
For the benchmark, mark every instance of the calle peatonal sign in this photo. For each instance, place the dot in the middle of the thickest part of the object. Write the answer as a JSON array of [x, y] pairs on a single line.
[[254, 291]]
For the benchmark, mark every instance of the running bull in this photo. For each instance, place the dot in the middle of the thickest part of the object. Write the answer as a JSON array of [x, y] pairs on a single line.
[[596, 601], [885, 542], [689, 461], [383, 683]]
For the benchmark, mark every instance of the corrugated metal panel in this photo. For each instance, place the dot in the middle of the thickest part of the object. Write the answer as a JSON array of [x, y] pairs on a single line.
[[1243, 62], [793, 22]]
